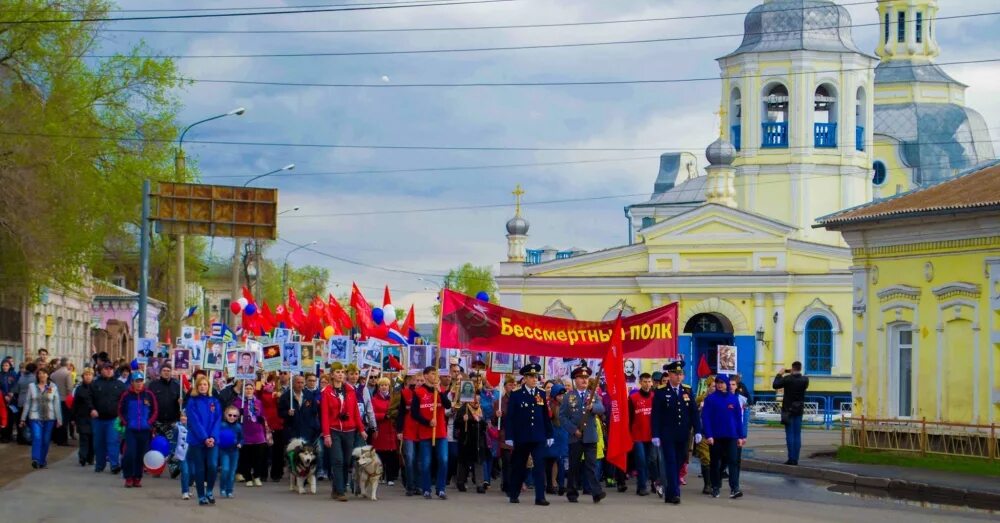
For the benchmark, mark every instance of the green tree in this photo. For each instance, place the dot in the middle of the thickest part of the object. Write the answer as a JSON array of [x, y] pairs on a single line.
[[79, 136], [469, 279], [309, 281]]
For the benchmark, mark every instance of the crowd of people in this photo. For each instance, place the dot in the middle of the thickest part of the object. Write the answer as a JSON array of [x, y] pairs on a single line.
[[528, 433]]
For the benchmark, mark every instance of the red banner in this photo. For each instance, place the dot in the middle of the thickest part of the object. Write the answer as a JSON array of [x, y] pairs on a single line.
[[468, 323], [619, 437]]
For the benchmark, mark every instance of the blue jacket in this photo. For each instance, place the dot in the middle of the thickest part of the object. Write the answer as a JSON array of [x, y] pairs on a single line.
[[573, 413], [527, 418], [722, 417], [237, 431], [137, 410], [305, 423], [675, 414], [204, 415]]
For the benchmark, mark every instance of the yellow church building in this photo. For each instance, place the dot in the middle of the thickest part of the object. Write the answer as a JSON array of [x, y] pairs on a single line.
[[735, 247]]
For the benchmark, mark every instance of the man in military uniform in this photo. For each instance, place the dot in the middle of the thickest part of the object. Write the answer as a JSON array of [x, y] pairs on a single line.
[[578, 416], [528, 430], [675, 416]]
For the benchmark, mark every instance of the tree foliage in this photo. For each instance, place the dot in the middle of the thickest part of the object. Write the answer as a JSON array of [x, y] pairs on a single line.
[[469, 280], [77, 137]]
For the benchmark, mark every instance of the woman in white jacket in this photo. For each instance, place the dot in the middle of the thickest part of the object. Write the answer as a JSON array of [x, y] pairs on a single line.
[[43, 411]]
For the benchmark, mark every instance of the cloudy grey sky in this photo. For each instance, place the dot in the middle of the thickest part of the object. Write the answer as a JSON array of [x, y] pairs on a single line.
[[670, 116]]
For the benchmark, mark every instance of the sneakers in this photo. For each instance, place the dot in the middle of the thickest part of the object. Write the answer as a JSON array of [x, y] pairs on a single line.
[[442, 495], [542, 502], [249, 483], [659, 490], [202, 501], [391, 483], [257, 483], [599, 497], [137, 482], [34, 464], [115, 469], [342, 498], [128, 482], [715, 493], [736, 494], [480, 490], [427, 495], [211, 499], [185, 496]]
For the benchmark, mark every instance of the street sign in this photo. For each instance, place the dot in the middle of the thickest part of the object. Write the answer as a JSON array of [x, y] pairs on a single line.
[[216, 210]]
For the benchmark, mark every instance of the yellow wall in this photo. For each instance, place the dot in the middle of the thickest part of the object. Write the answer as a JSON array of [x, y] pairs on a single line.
[[899, 177]]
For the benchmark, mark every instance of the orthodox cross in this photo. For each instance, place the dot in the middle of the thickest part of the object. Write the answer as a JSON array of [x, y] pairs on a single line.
[[518, 192], [721, 113]]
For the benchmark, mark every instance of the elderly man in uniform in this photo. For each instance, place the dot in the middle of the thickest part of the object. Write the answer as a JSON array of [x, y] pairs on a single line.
[[675, 416], [578, 416], [528, 430]]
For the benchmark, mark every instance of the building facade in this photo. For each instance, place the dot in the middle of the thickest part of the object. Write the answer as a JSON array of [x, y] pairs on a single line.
[[114, 310]]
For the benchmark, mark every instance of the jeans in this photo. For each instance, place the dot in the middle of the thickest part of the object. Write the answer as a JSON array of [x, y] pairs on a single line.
[[723, 453], [105, 443], [228, 461], [440, 453], [340, 457], [41, 438], [643, 453], [204, 460], [583, 455], [136, 446], [410, 464], [793, 437], [185, 477]]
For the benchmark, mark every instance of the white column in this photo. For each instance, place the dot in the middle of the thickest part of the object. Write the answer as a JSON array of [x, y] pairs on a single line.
[[656, 299], [781, 352], [758, 324]]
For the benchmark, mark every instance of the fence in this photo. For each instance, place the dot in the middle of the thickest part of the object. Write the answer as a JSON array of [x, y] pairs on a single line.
[[826, 411], [921, 436]]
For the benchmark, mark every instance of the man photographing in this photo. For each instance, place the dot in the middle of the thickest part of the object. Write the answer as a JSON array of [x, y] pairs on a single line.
[[792, 407]]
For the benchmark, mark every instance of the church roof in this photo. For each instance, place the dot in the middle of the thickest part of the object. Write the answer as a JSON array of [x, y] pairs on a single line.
[[938, 140], [796, 25], [689, 191], [906, 71], [976, 189]]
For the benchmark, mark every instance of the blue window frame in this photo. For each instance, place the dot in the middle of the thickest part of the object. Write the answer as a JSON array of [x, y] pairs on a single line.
[[880, 173], [901, 27], [774, 135], [819, 345], [825, 135], [735, 136], [533, 256]]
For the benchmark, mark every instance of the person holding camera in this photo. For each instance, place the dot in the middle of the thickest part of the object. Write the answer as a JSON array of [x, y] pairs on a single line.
[[794, 385]]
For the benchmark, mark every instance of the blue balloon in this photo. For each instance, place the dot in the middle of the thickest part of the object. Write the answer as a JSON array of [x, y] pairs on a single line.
[[160, 444], [227, 439], [378, 315], [483, 296], [250, 309]]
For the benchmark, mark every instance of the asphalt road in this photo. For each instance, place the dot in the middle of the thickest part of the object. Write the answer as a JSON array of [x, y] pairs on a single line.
[[67, 492]]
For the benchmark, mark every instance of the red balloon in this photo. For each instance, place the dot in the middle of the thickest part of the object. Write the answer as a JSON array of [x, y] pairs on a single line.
[[235, 307]]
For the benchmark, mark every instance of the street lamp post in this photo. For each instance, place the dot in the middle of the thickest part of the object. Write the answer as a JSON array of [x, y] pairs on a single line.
[[238, 242], [284, 266], [179, 166]]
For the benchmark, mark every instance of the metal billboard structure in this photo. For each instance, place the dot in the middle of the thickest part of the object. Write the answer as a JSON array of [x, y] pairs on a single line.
[[216, 210]]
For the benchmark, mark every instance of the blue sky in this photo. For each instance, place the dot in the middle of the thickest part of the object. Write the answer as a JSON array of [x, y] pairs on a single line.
[[661, 116]]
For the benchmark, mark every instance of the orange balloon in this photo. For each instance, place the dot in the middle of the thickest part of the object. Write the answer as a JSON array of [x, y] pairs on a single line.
[[328, 332]]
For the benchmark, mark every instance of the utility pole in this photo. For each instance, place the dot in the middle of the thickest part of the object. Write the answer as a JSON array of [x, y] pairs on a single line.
[[178, 312], [144, 261]]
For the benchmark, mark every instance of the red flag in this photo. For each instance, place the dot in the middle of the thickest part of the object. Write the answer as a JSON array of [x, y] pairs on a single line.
[[703, 369], [409, 324], [169, 341], [386, 299], [248, 295], [619, 437], [267, 319], [281, 314], [339, 315], [391, 323], [295, 313], [363, 315]]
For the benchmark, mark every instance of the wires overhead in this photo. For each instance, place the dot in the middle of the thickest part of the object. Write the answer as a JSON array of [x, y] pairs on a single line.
[[363, 264]]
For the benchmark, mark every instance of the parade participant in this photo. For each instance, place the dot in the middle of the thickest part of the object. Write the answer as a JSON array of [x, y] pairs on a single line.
[[167, 391], [180, 455], [83, 403], [406, 428], [528, 430], [204, 414], [341, 424], [505, 449], [42, 410], [470, 435], [428, 408], [794, 385], [640, 405], [557, 460], [8, 387], [722, 424], [300, 409], [452, 389], [24, 381], [363, 395], [229, 456], [736, 386], [269, 403], [578, 415], [674, 417], [702, 450], [385, 443], [253, 453], [62, 378], [137, 410], [106, 391]]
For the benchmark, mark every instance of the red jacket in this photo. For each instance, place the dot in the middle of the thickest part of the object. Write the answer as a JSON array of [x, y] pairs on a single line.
[[385, 438], [641, 416], [409, 424], [3, 412], [423, 411], [269, 403], [331, 407]]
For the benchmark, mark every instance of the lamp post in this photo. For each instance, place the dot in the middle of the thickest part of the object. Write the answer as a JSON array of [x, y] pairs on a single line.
[[238, 242], [179, 166], [284, 266]]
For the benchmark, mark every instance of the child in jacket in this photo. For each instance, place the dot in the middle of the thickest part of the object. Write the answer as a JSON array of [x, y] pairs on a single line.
[[229, 450]]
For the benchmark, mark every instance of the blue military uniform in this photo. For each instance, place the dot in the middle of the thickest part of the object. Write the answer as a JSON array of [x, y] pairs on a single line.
[[528, 426], [578, 412], [675, 416]]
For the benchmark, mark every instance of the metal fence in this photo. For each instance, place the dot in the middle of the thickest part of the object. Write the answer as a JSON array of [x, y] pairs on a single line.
[[826, 411], [921, 436]]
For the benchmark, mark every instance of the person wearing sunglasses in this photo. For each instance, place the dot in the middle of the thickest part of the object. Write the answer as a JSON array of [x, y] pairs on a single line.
[[229, 450]]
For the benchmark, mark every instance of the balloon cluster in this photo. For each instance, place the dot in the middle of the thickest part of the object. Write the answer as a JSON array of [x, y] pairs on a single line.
[[244, 306], [154, 461]]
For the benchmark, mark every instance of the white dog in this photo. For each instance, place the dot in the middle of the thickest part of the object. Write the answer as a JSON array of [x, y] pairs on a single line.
[[302, 460], [367, 472]]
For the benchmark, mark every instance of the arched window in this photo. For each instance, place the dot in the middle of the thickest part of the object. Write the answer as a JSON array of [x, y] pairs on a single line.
[[860, 117], [775, 124], [819, 346], [825, 116], [879, 177], [735, 118]]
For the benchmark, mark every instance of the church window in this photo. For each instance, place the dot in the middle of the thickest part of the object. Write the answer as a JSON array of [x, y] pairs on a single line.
[[825, 116], [886, 27], [775, 127], [920, 28], [735, 118], [648, 221], [860, 117], [880, 173], [819, 346], [901, 27]]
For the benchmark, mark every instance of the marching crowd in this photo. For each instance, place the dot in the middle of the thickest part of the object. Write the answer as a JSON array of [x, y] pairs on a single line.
[[549, 436]]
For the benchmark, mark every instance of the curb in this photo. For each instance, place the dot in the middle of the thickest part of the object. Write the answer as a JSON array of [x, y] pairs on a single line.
[[899, 488]]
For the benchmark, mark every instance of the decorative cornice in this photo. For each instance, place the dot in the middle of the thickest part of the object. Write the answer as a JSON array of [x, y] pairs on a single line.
[[893, 292], [958, 288], [895, 250]]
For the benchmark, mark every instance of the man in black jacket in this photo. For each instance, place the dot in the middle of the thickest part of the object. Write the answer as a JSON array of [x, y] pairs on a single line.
[[83, 403], [792, 407], [106, 391], [167, 392]]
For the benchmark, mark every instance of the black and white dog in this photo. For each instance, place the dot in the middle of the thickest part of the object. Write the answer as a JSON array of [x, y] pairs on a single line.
[[302, 461]]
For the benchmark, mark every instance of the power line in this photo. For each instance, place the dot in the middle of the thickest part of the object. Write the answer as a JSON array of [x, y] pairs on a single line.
[[464, 28], [362, 264], [358, 7], [265, 8], [507, 48]]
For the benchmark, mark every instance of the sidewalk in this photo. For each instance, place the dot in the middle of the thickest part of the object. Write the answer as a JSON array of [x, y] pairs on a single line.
[[767, 453]]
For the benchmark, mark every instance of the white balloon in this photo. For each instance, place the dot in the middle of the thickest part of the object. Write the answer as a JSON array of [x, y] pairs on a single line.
[[385, 78], [390, 314], [243, 303], [153, 459]]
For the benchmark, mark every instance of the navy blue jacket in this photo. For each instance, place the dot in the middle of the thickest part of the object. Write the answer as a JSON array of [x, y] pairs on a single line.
[[305, 423], [722, 417], [137, 410], [527, 418], [675, 415], [204, 415]]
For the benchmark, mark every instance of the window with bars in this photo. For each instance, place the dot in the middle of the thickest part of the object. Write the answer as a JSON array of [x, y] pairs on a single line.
[[819, 346], [920, 28], [901, 27]]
